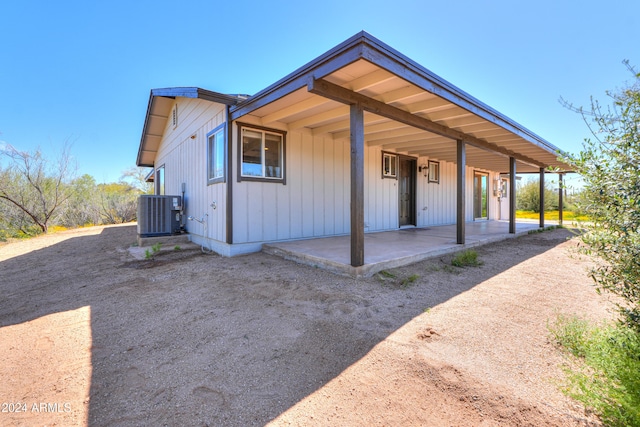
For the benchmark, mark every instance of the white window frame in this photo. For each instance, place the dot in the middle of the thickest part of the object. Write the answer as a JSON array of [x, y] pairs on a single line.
[[216, 148]]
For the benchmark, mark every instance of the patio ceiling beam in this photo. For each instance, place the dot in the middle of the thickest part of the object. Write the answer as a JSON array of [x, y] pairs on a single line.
[[400, 94], [425, 141], [343, 126], [372, 129], [322, 117], [371, 79], [293, 109], [338, 93]]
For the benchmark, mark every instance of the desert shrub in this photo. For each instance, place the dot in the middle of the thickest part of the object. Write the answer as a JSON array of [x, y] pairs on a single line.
[[468, 258], [604, 368]]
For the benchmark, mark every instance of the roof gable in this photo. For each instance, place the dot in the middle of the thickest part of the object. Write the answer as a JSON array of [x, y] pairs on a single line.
[[159, 109]]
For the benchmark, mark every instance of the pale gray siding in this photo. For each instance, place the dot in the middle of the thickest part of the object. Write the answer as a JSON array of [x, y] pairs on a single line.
[[185, 161]]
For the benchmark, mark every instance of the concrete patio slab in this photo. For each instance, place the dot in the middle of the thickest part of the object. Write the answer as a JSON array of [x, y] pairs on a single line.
[[390, 249]]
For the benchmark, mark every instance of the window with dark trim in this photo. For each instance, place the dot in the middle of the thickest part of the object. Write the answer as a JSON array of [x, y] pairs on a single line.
[[389, 165], [160, 181], [262, 154], [434, 171], [216, 155]]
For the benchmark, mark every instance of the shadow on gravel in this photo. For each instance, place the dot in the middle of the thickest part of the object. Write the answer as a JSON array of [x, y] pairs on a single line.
[[193, 339]]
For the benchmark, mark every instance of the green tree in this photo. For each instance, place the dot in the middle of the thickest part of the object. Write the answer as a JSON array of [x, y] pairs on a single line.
[[83, 207], [610, 166], [35, 186], [528, 195], [119, 202]]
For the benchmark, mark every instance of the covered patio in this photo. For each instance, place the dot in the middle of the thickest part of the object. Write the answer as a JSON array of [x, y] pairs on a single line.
[[367, 93], [390, 249]]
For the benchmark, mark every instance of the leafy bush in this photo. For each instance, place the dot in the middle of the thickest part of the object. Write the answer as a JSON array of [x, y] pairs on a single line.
[[610, 167], [604, 371]]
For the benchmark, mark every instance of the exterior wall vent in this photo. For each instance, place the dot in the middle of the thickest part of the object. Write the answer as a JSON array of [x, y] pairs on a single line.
[[158, 215]]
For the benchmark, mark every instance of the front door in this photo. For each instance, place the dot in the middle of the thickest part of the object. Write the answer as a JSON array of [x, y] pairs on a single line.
[[407, 191]]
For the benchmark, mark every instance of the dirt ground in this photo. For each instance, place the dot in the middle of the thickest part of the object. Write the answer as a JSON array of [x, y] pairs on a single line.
[[91, 336]]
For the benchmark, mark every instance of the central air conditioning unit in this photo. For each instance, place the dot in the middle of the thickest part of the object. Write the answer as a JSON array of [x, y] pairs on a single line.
[[159, 215]]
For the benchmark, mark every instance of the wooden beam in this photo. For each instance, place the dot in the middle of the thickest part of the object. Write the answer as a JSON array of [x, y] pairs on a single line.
[[419, 138], [474, 122], [400, 94], [434, 104], [372, 129], [444, 115], [357, 185], [293, 109], [346, 96], [371, 79], [461, 191], [326, 116], [512, 195], [403, 132], [343, 125], [541, 197]]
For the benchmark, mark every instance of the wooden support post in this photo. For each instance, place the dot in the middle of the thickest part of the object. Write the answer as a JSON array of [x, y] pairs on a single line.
[[541, 197], [357, 185], [460, 194], [560, 200], [512, 195]]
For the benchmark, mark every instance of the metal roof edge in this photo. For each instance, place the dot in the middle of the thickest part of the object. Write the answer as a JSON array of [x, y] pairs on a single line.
[[196, 92], [183, 92]]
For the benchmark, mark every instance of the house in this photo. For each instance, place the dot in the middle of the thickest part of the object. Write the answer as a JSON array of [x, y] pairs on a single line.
[[361, 139]]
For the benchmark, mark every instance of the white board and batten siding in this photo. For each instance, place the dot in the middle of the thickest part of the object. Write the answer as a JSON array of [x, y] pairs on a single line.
[[315, 201], [185, 161]]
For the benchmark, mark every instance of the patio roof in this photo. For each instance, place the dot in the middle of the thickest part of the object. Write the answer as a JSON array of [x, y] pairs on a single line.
[[408, 109]]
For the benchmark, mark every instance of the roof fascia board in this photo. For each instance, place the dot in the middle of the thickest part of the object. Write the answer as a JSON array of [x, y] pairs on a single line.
[[196, 93], [144, 132]]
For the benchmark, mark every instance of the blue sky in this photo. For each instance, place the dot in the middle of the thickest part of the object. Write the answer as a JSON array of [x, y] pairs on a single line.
[[81, 71]]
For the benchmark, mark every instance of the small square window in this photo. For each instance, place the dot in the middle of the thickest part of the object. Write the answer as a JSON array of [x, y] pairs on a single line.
[[434, 171], [216, 149], [389, 165]]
